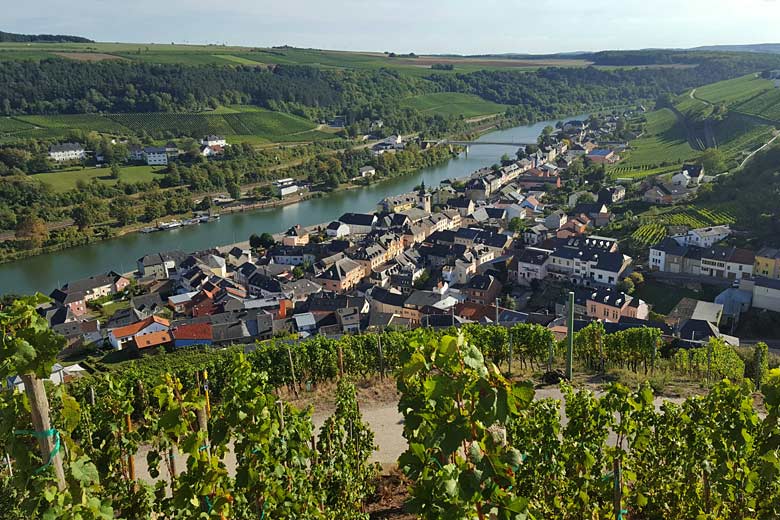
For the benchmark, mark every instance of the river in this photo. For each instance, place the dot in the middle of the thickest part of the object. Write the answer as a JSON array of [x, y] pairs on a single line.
[[45, 272]]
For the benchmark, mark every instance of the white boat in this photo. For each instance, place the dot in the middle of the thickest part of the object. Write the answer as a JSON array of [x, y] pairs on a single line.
[[173, 224]]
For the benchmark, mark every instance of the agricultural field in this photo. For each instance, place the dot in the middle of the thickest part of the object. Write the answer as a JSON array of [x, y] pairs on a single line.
[[653, 226], [734, 91], [737, 136], [661, 149], [257, 121], [173, 124], [765, 105], [649, 234], [9, 125], [453, 104], [85, 122], [227, 55], [64, 180]]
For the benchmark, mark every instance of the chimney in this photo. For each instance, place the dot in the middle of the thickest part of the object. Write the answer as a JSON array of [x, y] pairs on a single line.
[[282, 309]]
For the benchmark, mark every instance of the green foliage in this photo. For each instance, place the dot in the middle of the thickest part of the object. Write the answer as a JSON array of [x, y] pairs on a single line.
[[455, 408], [715, 360], [27, 344]]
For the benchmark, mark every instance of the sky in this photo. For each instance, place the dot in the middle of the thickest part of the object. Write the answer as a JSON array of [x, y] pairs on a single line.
[[421, 26]]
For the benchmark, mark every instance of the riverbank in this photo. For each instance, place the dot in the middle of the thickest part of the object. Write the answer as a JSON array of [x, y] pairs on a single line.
[[45, 272]]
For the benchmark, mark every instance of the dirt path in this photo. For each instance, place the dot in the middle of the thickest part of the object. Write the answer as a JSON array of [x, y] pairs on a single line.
[[768, 143], [383, 418]]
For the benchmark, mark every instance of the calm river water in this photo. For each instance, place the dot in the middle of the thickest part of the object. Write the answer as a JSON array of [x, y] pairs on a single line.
[[44, 273]]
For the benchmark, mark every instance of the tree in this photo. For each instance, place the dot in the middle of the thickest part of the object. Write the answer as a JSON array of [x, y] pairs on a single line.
[[637, 278], [422, 279], [264, 241], [508, 302], [517, 224], [32, 231], [84, 215], [712, 161], [115, 170], [627, 286], [234, 190]]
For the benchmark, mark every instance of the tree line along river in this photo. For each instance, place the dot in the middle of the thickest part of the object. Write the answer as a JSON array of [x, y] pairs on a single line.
[[45, 272]]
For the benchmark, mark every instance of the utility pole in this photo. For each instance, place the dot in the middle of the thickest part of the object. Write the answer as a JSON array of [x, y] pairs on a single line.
[[497, 311], [570, 338]]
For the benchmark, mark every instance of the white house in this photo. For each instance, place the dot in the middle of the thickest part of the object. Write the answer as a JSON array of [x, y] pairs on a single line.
[[532, 264], [703, 237], [337, 229], [67, 152], [156, 156], [690, 175], [288, 190], [359, 223], [766, 294], [121, 336], [367, 171], [213, 140]]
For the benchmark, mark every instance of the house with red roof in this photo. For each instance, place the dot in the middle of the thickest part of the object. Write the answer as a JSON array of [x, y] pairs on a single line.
[[122, 336], [192, 334]]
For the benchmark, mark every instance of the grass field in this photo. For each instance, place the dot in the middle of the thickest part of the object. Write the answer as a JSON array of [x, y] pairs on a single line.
[[453, 104], [64, 180], [664, 142]]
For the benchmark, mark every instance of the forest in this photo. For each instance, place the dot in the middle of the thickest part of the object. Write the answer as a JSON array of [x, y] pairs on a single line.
[[41, 38]]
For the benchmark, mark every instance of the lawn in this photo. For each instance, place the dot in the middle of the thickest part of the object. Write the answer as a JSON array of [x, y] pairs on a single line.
[[64, 180], [453, 104]]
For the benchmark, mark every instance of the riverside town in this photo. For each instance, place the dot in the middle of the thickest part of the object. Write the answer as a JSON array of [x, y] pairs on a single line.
[[478, 275]]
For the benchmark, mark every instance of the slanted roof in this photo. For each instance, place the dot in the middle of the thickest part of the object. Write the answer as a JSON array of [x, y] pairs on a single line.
[[135, 328], [153, 339], [192, 331]]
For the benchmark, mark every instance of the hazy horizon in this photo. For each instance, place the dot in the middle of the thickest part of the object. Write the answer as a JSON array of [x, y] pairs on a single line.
[[545, 27]]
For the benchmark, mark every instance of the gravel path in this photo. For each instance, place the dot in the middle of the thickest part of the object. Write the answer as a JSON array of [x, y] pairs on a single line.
[[385, 421]]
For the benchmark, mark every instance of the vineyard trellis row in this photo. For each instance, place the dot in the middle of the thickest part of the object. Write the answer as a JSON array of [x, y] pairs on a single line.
[[479, 445]]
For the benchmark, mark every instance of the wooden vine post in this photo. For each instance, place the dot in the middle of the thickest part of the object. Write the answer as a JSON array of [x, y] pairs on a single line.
[[130, 458], [292, 371], [39, 410]]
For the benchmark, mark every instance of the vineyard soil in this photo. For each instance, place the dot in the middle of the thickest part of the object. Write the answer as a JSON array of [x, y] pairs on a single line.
[[379, 407]]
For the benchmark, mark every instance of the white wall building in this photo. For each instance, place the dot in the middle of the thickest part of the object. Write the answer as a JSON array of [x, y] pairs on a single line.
[[67, 152], [156, 156], [213, 140]]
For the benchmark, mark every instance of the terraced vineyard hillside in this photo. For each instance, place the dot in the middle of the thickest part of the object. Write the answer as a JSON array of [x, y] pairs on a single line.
[[654, 226], [239, 123]]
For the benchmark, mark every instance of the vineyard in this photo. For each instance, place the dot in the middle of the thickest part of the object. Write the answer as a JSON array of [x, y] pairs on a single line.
[[479, 445], [649, 234], [653, 226], [766, 105], [9, 125], [85, 122], [641, 171], [173, 124]]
